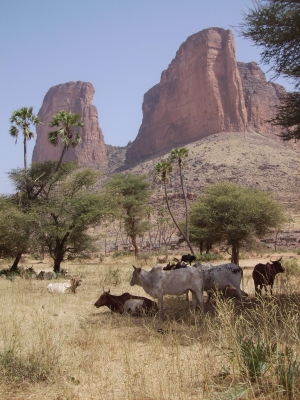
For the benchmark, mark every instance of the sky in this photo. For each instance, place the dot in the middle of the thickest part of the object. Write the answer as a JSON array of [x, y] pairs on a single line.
[[120, 46]]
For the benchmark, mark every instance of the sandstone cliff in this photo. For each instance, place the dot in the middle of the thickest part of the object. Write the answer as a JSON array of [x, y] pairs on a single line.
[[260, 98], [76, 97], [204, 91]]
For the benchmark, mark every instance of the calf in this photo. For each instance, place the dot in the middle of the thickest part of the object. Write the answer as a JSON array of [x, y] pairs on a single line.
[[264, 275], [230, 292], [188, 258], [139, 307], [116, 303], [64, 287]]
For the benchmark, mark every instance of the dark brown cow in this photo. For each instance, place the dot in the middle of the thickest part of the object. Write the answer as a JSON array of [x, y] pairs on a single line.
[[178, 265], [264, 275], [116, 303]]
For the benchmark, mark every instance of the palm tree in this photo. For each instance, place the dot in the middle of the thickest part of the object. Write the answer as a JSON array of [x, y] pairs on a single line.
[[22, 119], [162, 170], [178, 155], [66, 123]]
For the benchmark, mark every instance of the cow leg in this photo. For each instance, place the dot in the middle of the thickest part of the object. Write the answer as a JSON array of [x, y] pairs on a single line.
[[200, 301], [258, 290], [160, 303], [187, 296], [271, 289]]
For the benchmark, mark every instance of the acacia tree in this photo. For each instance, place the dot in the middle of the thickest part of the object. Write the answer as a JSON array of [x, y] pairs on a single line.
[[22, 120], [67, 124], [71, 208], [129, 196], [17, 231], [273, 25], [162, 170], [228, 212]]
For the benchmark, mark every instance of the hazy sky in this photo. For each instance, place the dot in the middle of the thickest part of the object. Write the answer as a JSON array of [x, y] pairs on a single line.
[[120, 46]]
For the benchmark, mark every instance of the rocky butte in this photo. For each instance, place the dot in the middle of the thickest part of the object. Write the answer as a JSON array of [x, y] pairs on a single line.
[[204, 91], [76, 97]]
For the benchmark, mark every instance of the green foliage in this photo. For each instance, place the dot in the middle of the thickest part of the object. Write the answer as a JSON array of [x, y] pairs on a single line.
[[67, 124], [113, 277], [207, 257], [18, 229], [121, 253], [21, 120], [228, 212], [270, 24], [287, 370], [256, 356], [128, 197]]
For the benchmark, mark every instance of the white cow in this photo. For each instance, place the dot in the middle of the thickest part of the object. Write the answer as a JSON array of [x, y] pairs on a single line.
[[157, 283], [217, 277], [64, 287]]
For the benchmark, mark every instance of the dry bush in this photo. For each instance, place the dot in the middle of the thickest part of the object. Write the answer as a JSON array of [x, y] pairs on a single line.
[[55, 346]]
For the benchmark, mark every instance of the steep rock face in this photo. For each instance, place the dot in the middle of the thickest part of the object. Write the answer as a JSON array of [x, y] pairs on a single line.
[[200, 93], [76, 97], [260, 98]]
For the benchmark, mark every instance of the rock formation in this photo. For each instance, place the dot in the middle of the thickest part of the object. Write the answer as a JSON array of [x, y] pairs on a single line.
[[204, 91], [260, 98], [76, 97]]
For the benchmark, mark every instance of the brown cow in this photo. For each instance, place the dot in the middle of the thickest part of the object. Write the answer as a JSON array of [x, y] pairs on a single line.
[[264, 275], [116, 303]]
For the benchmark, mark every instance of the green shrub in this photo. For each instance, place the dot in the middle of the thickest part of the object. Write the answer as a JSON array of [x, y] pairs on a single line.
[[287, 370], [18, 368], [113, 277], [121, 253], [210, 257]]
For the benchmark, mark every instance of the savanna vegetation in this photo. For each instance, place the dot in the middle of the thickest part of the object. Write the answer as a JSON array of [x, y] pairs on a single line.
[[61, 347]]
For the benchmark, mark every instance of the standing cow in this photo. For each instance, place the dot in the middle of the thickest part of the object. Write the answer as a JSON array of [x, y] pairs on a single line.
[[264, 275], [157, 283], [218, 277]]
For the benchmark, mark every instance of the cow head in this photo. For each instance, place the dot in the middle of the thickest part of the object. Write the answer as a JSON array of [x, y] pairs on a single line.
[[103, 299], [277, 266], [135, 279]]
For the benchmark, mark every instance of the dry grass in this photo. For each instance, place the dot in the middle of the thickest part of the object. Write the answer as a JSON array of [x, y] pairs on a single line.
[[62, 347]]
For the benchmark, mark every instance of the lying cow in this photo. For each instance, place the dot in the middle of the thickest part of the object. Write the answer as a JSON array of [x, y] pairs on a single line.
[[157, 283], [217, 277], [64, 287], [188, 258], [230, 292], [264, 275], [139, 307], [116, 303]]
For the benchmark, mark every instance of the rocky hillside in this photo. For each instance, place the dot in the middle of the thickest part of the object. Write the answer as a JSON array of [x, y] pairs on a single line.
[[246, 158], [204, 91]]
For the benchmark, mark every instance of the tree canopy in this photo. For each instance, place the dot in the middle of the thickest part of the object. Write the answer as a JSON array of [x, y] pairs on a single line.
[[274, 26], [21, 120], [129, 196], [235, 214]]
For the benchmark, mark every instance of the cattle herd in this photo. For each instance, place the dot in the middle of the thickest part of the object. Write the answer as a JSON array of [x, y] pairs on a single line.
[[180, 277]]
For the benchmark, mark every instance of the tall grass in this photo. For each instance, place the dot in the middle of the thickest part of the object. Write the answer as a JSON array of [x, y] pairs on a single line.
[[61, 347]]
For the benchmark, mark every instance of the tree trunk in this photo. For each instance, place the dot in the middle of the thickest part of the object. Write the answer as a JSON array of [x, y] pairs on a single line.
[[58, 257], [186, 205], [177, 226], [14, 267], [134, 244], [235, 256]]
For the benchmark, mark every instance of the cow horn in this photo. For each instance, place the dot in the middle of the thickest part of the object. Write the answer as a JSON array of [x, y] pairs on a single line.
[[134, 267]]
